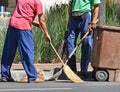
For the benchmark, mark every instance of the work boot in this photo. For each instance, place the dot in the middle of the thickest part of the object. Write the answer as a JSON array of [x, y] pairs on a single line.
[[84, 74]]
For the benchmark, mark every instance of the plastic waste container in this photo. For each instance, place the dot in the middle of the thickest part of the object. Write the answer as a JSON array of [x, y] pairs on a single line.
[[106, 53]]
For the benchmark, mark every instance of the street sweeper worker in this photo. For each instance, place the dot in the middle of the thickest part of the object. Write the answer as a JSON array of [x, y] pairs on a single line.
[[19, 34], [82, 16]]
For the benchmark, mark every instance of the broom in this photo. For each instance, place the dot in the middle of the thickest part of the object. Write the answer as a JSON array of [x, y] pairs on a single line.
[[69, 73]]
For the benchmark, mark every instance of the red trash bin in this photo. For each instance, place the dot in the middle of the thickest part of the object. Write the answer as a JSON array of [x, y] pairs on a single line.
[[106, 53]]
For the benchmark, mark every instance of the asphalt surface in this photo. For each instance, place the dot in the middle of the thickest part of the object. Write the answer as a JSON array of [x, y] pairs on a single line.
[[52, 86]]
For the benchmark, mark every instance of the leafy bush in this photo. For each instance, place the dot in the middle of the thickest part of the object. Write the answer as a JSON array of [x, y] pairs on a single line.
[[111, 13]]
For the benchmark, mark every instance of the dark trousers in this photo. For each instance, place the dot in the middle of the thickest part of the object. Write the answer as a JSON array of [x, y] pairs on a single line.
[[79, 24]]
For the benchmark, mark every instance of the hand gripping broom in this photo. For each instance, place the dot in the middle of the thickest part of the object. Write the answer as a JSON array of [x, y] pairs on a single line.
[[69, 73]]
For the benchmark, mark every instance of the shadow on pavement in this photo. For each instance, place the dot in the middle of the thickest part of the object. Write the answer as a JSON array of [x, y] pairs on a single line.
[[87, 76]]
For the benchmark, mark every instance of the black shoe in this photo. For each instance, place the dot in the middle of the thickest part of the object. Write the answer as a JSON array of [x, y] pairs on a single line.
[[84, 74], [7, 80]]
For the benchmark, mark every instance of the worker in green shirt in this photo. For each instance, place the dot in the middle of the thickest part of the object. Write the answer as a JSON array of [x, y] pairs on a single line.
[[82, 16]]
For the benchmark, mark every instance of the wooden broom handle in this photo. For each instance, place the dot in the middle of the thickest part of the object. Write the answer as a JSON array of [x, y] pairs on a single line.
[[56, 53]]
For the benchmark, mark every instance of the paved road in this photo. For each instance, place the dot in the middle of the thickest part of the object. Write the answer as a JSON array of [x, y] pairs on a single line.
[[52, 86]]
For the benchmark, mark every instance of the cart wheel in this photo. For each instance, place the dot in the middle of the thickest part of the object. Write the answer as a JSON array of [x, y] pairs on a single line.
[[101, 75]]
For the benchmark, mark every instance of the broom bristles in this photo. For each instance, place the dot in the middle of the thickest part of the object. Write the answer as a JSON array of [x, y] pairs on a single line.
[[71, 75]]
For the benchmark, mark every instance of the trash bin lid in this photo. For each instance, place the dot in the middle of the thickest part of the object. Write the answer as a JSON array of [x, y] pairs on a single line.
[[109, 28]]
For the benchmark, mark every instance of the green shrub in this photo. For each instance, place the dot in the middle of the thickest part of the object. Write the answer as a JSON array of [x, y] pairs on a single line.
[[111, 13]]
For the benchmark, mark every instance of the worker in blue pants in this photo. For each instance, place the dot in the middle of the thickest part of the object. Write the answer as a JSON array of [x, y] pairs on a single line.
[[71, 40], [82, 16], [19, 34]]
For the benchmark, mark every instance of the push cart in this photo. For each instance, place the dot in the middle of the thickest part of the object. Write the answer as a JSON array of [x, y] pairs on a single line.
[[106, 53]]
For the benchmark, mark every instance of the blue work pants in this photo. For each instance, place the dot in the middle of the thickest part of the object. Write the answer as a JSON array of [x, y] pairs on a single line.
[[23, 39], [79, 24]]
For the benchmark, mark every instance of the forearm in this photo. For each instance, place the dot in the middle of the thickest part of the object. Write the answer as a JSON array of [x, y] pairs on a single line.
[[43, 24], [95, 13]]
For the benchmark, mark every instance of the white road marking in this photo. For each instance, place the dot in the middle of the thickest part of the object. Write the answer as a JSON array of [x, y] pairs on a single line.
[[3, 90]]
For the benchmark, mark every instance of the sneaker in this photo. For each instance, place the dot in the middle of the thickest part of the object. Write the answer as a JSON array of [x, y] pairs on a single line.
[[40, 78], [24, 79], [7, 79], [37, 80]]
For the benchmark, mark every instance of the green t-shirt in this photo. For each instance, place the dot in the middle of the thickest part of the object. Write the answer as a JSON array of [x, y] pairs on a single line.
[[83, 5]]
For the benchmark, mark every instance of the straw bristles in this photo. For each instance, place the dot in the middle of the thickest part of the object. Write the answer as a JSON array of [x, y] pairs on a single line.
[[71, 75]]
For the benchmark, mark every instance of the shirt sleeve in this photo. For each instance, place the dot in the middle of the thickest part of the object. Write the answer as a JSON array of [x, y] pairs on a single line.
[[38, 7], [96, 2]]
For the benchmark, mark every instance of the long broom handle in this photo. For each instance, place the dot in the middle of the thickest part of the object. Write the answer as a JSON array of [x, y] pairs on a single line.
[[56, 53], [78, 45]]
